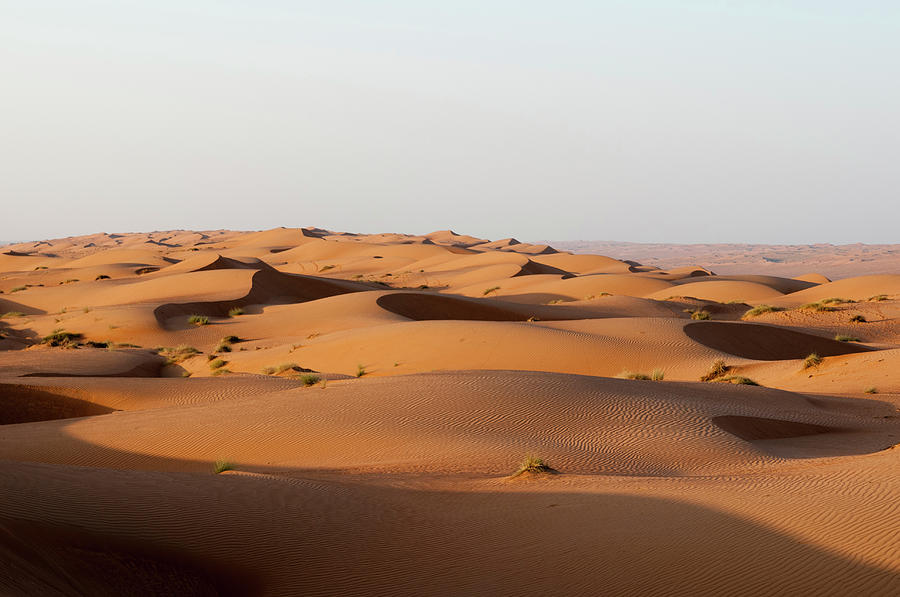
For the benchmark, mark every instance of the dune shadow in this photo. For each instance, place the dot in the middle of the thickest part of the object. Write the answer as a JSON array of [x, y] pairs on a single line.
[[305, 535], [765, 342]]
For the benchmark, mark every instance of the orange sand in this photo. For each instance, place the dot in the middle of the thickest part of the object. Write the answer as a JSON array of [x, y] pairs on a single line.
[[470, 355]]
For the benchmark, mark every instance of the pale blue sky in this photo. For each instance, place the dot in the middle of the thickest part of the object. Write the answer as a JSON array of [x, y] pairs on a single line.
[[641, 120]]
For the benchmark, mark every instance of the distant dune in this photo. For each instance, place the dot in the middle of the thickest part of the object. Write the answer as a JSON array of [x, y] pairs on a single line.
[[833, 261], [298, 411]]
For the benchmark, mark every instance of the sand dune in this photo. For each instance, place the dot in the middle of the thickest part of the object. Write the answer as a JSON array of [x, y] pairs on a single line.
[[374, 395]]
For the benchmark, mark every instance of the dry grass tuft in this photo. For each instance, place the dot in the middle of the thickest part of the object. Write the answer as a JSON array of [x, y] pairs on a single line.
[[534, 465], [812, 360]]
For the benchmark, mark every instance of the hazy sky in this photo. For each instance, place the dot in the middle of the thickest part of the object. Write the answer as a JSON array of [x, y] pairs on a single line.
[[640, 120]]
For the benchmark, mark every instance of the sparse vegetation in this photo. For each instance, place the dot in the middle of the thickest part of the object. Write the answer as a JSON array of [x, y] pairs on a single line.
[[700, 315], [835, 300], [846, 338], [310, 379], [759, 310], [819, 307], [18, 289], [221, 466], [813, 360], [657, 375], [198, 320], [59, 337], [222, 371], [534, 465], [101, 277], [737, 379], [633, 375], [360, 370], [325, 268], [718, 369], [235, 311], [70, 281], [857, 319], [12, 314], [280, 368], [217, 363], [178, 354], [871, 390], [487, 291], [877, 298], [555, 302], [225, 344]]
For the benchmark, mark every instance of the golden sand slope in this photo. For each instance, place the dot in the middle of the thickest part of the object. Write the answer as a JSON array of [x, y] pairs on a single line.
[[471, 354]]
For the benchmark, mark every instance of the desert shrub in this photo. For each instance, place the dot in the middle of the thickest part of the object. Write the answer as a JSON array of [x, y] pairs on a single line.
[[12, 314], [178, 353], [310, 379], [280, 368], [759, 310], [819, 307], [235, 311], [217, 363], [220, 466], [846, 338], [871, 390], [94, 344], [555, 302], [534, 465], [487, 291], [813, 360], [657, 375], [18, 289], [877, 298], [633, 375], [857, 319], [718, 369], [62, 338], [101, 277], [737, 379], [225, 344], [835, 300], [700, 315], [198, 320], [222, 371], [360, 370]]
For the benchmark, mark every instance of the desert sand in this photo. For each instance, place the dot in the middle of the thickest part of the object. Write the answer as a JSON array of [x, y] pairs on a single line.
[[305, 412]]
